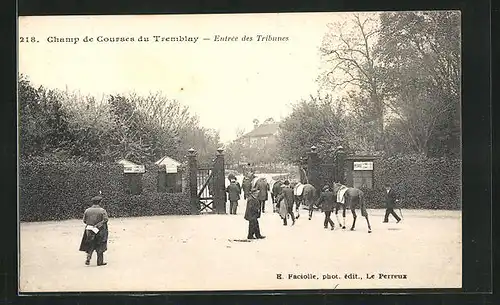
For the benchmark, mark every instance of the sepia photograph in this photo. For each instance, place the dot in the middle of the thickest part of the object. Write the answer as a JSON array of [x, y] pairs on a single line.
[[240, 152]]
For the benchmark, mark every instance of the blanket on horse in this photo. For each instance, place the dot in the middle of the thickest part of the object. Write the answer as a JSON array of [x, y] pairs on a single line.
[[340, 194]]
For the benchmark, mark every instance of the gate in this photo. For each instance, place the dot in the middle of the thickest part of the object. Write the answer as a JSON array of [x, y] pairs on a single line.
[[207, 184], [204, 179], [318, 174]]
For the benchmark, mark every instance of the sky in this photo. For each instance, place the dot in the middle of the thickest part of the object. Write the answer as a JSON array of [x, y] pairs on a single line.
[[226, 83]]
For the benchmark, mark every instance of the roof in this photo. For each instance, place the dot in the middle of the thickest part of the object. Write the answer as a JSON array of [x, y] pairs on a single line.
[[126, 162], [167, 161], [263, 130]]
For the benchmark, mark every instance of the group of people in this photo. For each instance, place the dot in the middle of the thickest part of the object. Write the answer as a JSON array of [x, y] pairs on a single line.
[[284, 197]]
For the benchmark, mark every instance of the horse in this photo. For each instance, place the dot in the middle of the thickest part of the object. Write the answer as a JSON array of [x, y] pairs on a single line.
[[305, 193], [350, 197]]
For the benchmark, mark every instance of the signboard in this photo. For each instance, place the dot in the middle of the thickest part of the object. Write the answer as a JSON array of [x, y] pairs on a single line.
[[171, 169], [135, 169], [363, 166]]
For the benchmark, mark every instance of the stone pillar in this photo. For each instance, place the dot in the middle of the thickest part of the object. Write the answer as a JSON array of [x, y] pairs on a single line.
[[313, 168], [219, 183], [340, 164], [192, 179]]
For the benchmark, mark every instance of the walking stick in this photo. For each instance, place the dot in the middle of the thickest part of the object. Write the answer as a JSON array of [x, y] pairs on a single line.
[[401, 212]]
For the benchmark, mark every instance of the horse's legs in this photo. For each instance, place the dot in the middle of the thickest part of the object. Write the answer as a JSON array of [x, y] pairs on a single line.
[[343, 216], [368, 222], [337, 213], [354, 216]]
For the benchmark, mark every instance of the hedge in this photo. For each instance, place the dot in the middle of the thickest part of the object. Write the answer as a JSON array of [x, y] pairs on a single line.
[[57, 190], [423, 183]]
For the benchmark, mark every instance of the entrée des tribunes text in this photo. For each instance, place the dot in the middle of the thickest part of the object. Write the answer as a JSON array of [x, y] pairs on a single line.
[[262, 38]]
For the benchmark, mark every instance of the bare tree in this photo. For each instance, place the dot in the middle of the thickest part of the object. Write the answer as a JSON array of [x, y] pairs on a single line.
[[350, 63]]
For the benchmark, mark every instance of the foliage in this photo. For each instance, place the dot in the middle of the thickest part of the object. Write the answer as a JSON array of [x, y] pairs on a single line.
[[423, 78], [318, 121], [138, 128], [423, 183], [399, 76], [50, 189]]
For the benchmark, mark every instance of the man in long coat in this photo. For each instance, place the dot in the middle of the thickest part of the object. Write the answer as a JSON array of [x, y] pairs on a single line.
[[246, 185], [391, 197], [275, 192], [234, 191], [95, 236], [327, 201], [252, 215], [263, 187], [285, 202]]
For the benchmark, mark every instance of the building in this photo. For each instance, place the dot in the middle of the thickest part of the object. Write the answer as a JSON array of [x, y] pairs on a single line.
[[261, 135], [259, 145]]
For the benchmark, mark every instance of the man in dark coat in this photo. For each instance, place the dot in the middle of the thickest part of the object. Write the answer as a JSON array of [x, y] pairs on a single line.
[[252, 215], [326, 201], [263, 187], [286, 197], [234, 191], [246, 186], [275, 192], [95, 236], [391, 197]]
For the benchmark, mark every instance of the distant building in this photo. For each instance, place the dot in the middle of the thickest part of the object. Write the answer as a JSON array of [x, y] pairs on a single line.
[[259, 145], [261, 135]]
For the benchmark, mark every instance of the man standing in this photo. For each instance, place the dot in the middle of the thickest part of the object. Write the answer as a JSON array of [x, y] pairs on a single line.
[[95, 236], [234, 191], [285, 202], [263, 187], [252, 215], [391, 197], [327, 202]]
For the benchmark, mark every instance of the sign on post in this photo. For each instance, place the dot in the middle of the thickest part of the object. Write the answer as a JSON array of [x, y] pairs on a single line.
[[135, 169], [363, 166]]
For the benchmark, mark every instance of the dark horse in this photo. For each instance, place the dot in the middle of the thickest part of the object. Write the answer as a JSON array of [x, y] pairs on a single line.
[[353, 198]]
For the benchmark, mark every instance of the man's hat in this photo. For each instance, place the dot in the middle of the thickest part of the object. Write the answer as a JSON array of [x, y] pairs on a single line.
[[96, 199]]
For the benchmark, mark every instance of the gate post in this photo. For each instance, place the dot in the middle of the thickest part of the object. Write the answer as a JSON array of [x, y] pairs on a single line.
[[340, 163], [219, 183], [193, 176], [313, 168]]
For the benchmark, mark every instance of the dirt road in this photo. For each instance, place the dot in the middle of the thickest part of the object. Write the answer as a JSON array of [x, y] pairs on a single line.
[[172, 253]]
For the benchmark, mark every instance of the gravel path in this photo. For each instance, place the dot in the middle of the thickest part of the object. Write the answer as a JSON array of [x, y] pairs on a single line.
[[208, 252]]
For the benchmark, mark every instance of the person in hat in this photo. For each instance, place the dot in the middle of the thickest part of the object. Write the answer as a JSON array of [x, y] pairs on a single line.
[[234, 192], [252, 215], [326, 201], [285, 203], [391, 197], [95, 235]]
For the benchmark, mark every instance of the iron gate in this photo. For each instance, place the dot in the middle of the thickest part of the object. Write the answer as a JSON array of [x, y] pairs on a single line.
[[204, 182]]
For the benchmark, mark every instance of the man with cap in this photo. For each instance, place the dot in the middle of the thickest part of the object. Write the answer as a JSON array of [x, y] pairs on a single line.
[[391, 197], [95, 236], [326, 201], [252, 215], [285, 202], [234, 191]]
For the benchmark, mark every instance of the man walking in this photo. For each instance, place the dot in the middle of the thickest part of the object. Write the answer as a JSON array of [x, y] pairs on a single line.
[[327, 202], [252, 215], [391, 197], [285, 203], [95, 236], [234, 191]]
